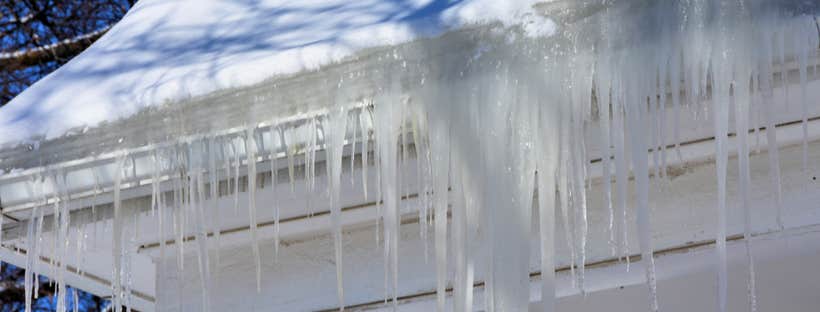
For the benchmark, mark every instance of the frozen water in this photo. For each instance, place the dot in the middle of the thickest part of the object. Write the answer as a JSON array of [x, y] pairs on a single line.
[[486, 133]]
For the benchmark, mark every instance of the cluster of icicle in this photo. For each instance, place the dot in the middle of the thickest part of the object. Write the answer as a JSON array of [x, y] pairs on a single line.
[[488, 134]]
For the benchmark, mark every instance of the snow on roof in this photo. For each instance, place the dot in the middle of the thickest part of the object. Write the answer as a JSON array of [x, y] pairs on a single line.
[[165, 51]]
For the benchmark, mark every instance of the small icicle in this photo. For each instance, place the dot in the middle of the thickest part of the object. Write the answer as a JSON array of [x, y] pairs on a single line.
[[237, 162], [675, 85], [290, 149], [76, 299], [355, 126], [365, 150], [2, 217], [154, 182]]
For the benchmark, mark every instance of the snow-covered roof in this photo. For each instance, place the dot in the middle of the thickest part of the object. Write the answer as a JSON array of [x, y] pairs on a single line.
[[166, 51]]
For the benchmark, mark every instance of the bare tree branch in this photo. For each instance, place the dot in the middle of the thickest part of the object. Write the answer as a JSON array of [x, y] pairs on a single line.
[[37, 36]]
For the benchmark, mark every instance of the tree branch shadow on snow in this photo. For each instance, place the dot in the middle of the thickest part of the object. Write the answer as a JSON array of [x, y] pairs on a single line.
[[223, 41]]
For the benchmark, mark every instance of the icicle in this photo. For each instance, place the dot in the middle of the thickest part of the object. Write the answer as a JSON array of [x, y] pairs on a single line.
[[77, 300], [602, 85], [766, 84], [388, 114], [674, 83], [440, 165], [274, 202], [250, 151], [660, 116], [195, 203], [179, 205], [365, 149], [31, 257], [161, 225], [154, 182], [742, 100], [216, 228], [581, 86], [237, 162], [638, 120], [802, 50], [460, 246], [721, 95], [621, 169], [547, 163], [355, 126], [564, 185], [39, 235], [198, 206], [653, 126], [290, 149], [335, 130], [63, 240], [310, 163], [422, 162], [94, 217], [117, 235]]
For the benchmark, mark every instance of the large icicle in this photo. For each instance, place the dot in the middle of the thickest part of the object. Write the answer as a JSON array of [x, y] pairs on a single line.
[[801, 42], [215, 225], [621, 168], [117, 236], [388, 123], [766, 85], [602, 92], [637, 97], [31, 258], [547, 164], [278, 133], [335, 130], [581, 86], [742, 100], [196, 195], [440, 167], [721, 79], [250, 151]]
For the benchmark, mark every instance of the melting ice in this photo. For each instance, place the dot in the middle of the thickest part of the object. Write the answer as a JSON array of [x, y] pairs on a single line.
[[489, 134]]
